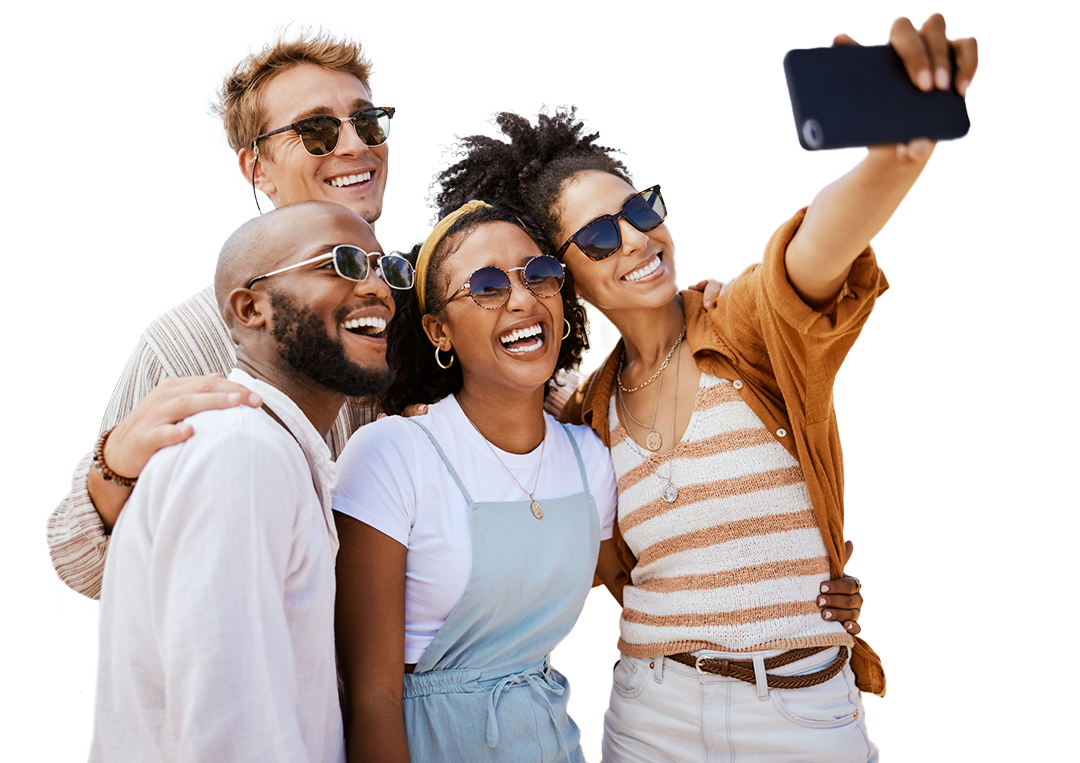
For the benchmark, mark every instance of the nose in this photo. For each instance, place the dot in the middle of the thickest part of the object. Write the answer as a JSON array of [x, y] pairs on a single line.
[[374, 287], [349, 143], [520, 297], [633, 240]]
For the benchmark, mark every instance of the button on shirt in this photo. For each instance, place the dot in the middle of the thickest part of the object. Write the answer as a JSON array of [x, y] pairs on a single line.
[[218, 598]]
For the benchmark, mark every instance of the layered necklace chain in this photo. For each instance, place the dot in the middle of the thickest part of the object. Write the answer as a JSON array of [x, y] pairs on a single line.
[[660, 370], [669, 492], [537, 511], [653, 441]]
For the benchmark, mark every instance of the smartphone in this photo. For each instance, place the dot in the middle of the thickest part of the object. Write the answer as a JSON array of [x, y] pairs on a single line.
[[850, 95]]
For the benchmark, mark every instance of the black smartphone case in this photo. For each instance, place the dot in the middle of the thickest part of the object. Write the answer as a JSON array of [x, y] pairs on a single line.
[[849, 96]]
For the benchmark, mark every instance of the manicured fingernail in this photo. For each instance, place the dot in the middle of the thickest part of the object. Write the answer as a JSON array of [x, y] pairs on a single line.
[[821, 602], [849, 626], [942, 77], [827, 615], [824, 587], [254, 399], [423, 409], [924, 81]]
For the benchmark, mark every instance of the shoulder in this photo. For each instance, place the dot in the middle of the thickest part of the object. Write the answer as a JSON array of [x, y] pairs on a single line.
[[191, 338]]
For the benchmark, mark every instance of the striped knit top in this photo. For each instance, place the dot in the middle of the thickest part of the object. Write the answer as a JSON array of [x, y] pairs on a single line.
[[735, 563]]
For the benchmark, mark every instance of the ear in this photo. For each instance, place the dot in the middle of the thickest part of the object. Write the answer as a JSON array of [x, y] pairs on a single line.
[[437, 331], [247, 309], [249, 160]]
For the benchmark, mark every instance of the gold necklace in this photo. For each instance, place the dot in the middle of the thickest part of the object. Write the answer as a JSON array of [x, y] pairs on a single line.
[[535, 507], [660, 370], [670, 493], [653, 441]]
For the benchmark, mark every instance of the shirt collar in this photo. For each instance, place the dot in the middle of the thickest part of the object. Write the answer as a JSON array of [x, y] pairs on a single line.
[[294, 419]]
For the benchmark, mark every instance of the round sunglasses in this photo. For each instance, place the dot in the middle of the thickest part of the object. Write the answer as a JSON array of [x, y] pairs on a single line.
[[489, 286], [320, 134], [601, 238], [353, 264]]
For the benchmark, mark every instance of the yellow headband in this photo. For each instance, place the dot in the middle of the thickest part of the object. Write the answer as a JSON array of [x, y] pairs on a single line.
[[429, 246]]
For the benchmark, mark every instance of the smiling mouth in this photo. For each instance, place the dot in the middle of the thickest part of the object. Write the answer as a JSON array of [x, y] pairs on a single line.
[[368, 326], [346, 180], [647, 269], [523, 340]]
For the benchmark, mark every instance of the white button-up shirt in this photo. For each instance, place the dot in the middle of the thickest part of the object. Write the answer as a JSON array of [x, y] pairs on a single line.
[[217, 608]]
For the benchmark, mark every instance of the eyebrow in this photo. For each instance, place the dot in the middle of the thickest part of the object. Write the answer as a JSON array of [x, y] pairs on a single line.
[[360, 104]]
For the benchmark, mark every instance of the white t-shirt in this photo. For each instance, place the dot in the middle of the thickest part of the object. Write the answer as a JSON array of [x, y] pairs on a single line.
[[392, 479]]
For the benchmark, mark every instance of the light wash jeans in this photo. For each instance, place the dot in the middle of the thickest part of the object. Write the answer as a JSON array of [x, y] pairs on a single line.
[[661, 710]]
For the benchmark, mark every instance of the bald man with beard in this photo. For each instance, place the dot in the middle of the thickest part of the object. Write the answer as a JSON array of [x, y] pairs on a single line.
[[217, 616]]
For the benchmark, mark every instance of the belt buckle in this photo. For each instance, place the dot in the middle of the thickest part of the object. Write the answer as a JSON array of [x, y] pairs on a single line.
[[697, 665]]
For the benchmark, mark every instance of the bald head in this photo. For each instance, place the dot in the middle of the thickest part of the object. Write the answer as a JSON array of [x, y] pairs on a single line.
[[271, 241]]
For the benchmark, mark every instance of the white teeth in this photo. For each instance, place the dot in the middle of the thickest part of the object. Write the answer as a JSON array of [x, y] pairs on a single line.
[[647, 269], [535, 345], [379, 324], [517, 334], [344, 180]]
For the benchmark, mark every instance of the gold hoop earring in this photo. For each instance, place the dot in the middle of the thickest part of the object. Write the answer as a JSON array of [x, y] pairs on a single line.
[[438, 360], [568, 328]]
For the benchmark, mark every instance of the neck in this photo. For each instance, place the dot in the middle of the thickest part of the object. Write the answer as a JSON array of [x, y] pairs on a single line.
[[648, 335], [510, 422], [320, 405]]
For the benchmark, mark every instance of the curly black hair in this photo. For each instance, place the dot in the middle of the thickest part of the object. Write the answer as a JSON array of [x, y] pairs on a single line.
[[418, 379], [529, 169]]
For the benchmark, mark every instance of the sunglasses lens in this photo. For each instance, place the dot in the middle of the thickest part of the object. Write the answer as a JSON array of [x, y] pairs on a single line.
[[599, 239], [351, 262], [396, 271], [646, 210], [373, 126], [319, 134], [544, 276], [489, 287]]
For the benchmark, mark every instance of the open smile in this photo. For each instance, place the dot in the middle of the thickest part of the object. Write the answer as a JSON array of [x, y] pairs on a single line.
[[372, 326], [644, 271], [344, 181], [523, 340]]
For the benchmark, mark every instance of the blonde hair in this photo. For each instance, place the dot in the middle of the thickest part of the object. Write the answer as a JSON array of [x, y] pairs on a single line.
[[240, 103]]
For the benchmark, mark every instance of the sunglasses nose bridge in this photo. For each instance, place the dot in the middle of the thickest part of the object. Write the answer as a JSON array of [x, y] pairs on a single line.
[[349, 142]]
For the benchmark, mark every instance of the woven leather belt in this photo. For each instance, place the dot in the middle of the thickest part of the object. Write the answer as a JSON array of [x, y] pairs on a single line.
[[744, 669]]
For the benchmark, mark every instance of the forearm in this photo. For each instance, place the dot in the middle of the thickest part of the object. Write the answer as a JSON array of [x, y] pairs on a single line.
[[375, 729], [843, 219]]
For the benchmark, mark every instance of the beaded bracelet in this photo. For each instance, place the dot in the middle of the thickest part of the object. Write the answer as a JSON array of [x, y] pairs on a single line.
[[103, 469]]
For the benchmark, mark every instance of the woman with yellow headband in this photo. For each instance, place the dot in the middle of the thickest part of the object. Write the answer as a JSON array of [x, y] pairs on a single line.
[[469, 535]]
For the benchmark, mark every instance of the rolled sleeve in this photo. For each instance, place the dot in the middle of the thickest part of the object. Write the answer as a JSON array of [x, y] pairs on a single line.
[[76, 535]]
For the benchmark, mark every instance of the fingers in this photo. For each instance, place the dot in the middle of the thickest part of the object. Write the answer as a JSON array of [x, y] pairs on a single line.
[[700, 285], [414, 410], [967, 61], [937, 47], [909, 46], [843, 39], [849, 549], [713, 289], [845, 586], [917, 151]]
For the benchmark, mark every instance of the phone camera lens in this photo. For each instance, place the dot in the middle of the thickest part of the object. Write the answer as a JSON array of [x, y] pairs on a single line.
[[812, 134]]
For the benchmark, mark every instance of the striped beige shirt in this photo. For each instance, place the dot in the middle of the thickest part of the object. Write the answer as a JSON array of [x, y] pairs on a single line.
[[735, 563], [189, 340]]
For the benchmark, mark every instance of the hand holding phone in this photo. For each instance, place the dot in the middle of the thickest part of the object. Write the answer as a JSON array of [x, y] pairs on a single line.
[[865, 96]]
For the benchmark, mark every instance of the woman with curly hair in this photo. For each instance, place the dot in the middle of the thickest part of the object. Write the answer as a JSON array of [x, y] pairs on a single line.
[[724, 439], [469, 535]]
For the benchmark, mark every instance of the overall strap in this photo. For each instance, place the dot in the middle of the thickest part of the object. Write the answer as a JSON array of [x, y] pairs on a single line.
[[446, 461], [580, 463]]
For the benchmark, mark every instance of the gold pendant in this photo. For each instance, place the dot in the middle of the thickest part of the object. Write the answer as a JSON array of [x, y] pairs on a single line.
[[536, 510], [654, 441]]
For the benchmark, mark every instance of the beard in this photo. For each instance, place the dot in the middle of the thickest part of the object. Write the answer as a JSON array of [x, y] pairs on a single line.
[[308, 349]]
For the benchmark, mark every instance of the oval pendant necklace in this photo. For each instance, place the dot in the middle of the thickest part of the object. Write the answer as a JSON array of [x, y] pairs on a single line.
[[537, 510], [670, 493]]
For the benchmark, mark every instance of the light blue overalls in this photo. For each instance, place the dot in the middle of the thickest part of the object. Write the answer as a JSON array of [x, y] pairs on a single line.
[[483, 689]]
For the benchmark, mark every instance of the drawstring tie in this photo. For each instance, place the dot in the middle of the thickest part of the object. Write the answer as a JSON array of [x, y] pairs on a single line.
[[541, 683]]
